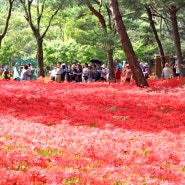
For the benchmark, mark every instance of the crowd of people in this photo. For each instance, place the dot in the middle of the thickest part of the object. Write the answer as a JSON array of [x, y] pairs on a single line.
[[75, 72], [90, 72], [87, 73], [170, 71], [24, 73]]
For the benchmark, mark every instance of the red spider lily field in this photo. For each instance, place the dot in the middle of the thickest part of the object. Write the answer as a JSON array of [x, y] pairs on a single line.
[[92, 133]]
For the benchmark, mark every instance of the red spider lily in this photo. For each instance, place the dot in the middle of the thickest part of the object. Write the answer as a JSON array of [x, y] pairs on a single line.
[[97, 133]]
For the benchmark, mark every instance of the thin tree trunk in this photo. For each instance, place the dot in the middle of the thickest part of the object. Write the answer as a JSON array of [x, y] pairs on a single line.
[[110, 64], [40, 58], [152, 25], [173, 16], [7, 21], [36, 29], [127, 46]]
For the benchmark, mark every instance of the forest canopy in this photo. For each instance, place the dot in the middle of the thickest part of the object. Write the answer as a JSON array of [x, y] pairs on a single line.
[[76, 35]]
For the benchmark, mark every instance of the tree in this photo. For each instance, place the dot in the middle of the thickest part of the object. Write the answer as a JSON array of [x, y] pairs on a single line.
[[105, 26], [173, 8], [127, 46], [7, 21], [74, 37], [145, 11], [152, 25], [38, 32], [173, 16]]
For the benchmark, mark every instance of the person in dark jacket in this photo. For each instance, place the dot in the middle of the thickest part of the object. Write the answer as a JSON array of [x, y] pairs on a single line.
[[6, 74]]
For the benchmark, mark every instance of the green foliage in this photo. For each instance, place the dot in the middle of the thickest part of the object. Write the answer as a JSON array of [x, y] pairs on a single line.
[[75, 34], [48, 152], [183, 169], [71, 181], [68, 52], [142, 50]]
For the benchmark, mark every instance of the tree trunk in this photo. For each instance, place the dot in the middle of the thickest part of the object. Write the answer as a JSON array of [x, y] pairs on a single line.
[[110, 63], [152, 25], [127, 46], [40, 57], [173, 16], [27, 5]]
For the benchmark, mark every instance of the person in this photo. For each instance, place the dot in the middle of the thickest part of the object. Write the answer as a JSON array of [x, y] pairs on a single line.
[[73, 73], [93, 73], [90, 73], [16, 73], [146, 71], [68, 73], [30, 70], [85, 72], [103, 73], [59, 70], [127, 73], [98, 72], [167, 72], [78, 73], [25, 73], [177, 70], [6, 74], [117, 73], [63, 74], [141, 65], [53, 73]]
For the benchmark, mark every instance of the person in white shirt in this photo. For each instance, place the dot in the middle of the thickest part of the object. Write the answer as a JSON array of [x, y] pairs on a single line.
[[167, 72], [177, 69], [16, 75], [103, 73], [85, 72], [59, 70], [53, 73]]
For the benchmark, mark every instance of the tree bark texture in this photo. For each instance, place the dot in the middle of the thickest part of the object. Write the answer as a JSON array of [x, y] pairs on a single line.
[[40, 58], [127, 46], [173, 16], [110, 64]]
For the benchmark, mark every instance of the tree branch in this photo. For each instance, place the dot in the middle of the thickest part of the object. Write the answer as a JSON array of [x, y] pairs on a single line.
[[29, 16], [49, 24], [7, 21], [109, 13], [97, 14], [40, 13]]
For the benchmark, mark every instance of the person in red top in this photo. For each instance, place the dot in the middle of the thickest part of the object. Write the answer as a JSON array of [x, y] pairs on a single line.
[[117, 73]]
